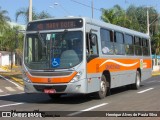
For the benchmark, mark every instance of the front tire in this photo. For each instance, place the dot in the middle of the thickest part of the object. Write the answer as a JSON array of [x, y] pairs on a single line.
[[104, 87]]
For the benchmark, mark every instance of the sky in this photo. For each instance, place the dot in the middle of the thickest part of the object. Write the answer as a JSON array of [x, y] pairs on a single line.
[[61, 8]]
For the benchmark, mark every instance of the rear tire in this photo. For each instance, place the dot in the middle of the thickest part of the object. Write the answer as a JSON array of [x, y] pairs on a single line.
[[104, 88], [137, 83]]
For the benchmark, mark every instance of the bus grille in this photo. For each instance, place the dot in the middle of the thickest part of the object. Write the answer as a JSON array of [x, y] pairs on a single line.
[[58, 88], [50, 73]]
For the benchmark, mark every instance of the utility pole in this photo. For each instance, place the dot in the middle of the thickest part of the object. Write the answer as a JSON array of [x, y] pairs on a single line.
[[92, 9], [30, 10], [148, 25]]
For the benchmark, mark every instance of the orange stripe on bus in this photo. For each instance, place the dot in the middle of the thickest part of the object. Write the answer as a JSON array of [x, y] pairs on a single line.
[[115, 65], [51, 80]]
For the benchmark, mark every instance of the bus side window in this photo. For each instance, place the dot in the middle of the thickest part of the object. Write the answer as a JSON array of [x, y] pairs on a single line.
[[129, 47], [145, 47], [137, 45], [119, 43], [107, 41], [92, 46]]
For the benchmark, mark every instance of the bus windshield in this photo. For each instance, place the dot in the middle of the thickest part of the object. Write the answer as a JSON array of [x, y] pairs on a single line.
[[53, 50]]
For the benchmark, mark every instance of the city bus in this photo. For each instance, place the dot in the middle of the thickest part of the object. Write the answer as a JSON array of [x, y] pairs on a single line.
[[79, 55]]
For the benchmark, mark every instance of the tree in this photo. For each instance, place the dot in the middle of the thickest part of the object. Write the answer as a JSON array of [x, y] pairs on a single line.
[[25, 13], [115, 15], [3, 19], [3, 25], [131, 12], [156, 44], [10, 38], [135, 18]]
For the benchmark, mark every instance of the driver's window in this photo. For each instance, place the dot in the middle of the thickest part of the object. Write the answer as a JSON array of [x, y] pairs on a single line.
[[92, 46]]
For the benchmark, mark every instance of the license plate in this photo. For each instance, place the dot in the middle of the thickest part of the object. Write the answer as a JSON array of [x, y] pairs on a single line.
[[49, 91]]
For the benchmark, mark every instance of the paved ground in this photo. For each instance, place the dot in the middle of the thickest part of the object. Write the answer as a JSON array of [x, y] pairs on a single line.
[[147, 98]]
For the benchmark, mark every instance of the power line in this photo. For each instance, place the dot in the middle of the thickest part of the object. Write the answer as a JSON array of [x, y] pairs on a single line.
[[85, 5]]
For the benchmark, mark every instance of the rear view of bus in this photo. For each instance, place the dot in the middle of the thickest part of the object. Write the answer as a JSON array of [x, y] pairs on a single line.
[[53, 60]]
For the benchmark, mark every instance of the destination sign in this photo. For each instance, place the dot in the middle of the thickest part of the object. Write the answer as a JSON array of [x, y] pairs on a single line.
[[55, 24]]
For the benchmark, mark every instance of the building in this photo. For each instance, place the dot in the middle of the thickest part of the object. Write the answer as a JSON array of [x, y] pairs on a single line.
[[156, 62], [5, 58]]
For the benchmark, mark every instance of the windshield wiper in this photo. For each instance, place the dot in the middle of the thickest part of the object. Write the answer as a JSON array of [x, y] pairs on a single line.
[[64, 33]]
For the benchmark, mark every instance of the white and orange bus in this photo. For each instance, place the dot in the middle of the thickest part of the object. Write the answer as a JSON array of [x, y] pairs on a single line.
[[83, 55]]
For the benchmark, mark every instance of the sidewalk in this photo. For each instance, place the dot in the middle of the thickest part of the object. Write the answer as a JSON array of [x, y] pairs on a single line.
[[155, 73], [15, 74], [1, 70]]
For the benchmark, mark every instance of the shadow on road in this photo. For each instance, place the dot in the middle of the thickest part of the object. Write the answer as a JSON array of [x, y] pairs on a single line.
[[41, 98], [45, 99]]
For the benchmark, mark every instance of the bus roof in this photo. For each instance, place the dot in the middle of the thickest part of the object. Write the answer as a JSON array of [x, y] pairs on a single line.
[[103, 25]]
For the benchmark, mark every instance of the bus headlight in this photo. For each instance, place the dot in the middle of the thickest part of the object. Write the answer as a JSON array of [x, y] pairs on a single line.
[[77, 77], [25, 78]]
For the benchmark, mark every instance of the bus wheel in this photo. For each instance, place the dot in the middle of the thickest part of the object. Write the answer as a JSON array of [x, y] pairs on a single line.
[[137, 83], [54, 96], [104, 85]]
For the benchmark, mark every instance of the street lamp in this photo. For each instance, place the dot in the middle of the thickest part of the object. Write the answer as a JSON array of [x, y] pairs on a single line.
[[56, 4]]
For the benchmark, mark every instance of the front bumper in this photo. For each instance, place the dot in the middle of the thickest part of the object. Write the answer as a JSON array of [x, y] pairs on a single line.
[[76, 87]]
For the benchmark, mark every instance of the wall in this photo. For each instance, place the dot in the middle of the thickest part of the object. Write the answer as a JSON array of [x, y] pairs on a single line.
[[5, 58]]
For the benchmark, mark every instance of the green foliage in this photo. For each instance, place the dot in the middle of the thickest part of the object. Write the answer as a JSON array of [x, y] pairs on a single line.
[[10, 37], [24, 12], [156, 44], [135, 18], [3, 20]]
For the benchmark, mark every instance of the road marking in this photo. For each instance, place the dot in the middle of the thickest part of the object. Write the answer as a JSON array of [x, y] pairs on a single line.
[[151, 81], [88, 109], [10, 89], [11, 94], [20, 88], [145, 90], [10, 105], [1, 90], [5, 95], [10, 81]]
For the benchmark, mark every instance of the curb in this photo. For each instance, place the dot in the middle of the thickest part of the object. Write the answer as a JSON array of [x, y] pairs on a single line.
[[155, 74], [5, 69], [20, 81]]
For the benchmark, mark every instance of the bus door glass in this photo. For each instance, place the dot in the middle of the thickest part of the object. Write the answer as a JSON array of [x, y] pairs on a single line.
[[92, 45]]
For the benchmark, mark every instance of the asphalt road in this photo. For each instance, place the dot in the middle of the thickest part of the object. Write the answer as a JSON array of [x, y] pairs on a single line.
[[142, 102]]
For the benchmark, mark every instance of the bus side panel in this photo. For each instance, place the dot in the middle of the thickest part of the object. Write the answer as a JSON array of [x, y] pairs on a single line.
[[122, 70], [146, 69], [146, 73], [122, 78], [93, 82]]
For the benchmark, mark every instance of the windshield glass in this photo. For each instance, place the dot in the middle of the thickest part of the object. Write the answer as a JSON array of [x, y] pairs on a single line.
[[61, 50]]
